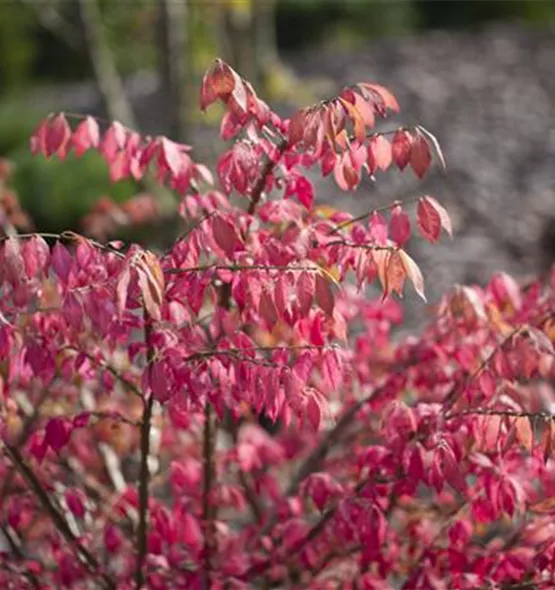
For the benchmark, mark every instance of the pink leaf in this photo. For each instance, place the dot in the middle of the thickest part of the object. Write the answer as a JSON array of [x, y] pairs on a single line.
[[171, 155], [378, 228], [121, 289], [379, 153]]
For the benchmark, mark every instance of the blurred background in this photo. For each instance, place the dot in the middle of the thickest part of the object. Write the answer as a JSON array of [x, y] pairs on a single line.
[[479, 74]]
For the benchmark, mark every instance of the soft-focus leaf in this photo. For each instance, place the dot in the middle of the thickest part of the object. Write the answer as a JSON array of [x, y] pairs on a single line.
[[324, 294]]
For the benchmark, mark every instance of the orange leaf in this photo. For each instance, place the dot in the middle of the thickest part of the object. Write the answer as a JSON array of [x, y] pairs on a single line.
[[356, 119], [151, 283], [524, 433]]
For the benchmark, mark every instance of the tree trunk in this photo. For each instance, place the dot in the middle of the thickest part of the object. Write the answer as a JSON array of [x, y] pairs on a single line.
[[174, 54], [107, 76]]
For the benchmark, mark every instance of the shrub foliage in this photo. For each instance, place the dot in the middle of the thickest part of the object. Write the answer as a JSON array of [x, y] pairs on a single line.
[[131, 381]]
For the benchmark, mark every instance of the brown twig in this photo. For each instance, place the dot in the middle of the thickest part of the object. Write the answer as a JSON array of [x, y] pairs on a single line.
[[144, 472]]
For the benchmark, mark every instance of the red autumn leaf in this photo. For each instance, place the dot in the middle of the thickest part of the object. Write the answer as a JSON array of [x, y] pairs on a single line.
[[379, 153], [158, 381], [345, 175], [171, 156], [267, 308], [395, 274], [331, 369], [420, 155], [37, 142], [297, 127], [378, 228], [399, 226], [314, 412], [431, 217], [428, 220], [218, 82], [122, 288], [239, 92], [365, 109], [75, 501], [57, 433], [401, 148], [224, 235], [36, 254], [57, 136], [324, 294], [381, 96], [305, 291], [86, 136]]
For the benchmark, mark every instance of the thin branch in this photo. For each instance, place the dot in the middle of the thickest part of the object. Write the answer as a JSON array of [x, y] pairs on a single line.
[[239, 267], [56, 516], [362, 246], [144, 472], [364, 216]]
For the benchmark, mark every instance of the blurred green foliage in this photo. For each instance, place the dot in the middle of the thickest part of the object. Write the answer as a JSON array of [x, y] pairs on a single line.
[[57, 195]]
